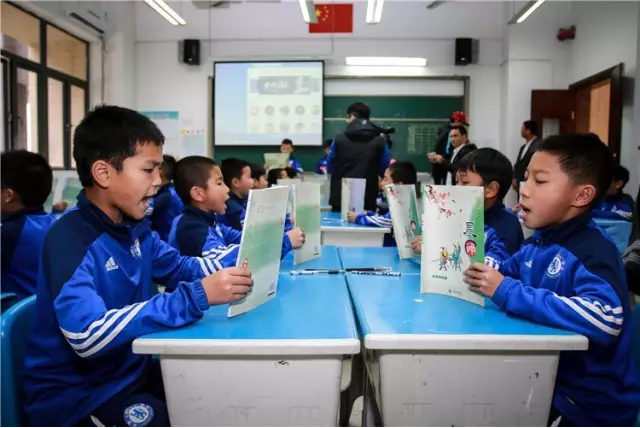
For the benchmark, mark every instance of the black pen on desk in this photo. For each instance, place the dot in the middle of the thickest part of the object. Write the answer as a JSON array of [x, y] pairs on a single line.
[[373, 269], [377, 273], [316, 271]]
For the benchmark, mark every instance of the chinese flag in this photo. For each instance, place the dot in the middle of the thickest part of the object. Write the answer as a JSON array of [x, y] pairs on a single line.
[[333, 18]]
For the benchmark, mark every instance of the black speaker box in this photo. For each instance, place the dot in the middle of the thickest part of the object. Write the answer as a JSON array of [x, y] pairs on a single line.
[[190, 51], [464, 51]]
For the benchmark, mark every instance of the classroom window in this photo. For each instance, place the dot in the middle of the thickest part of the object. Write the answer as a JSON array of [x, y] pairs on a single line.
[[20, 32], [66, 53], [56, 123], [45, 79]]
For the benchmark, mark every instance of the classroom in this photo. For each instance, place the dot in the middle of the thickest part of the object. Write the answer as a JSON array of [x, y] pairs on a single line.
[[320, 213]]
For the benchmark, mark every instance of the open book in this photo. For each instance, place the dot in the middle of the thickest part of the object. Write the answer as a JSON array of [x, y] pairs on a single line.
[[405, 217], [261, 245], [306, 203], [276, 160], [352, 196], [452, 239]]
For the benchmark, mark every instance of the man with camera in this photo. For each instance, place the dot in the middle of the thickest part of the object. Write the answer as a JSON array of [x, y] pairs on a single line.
[[361, 151]]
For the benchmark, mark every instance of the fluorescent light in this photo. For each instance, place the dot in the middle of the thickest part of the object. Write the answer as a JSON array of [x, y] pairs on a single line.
[[163, 9], [374, 11], [171, 12], [386, 60], [526, 11], [308, 11]]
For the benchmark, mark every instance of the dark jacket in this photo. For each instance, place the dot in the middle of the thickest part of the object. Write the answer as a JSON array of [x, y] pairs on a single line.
[[439, 172], [522, 162], [450, 165], [358, 152]]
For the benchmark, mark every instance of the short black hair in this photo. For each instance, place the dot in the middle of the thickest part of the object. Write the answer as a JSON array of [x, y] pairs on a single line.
[[403, 172], [111, 134], [532, 126], [287, 142], [29, 175], [584, 158], [257, 171], [168, 166], [232, 169], [462, 129], [359, 110], [192, 171], [327, 143], [291, 172], [273, 176], [621, 173], [491, 165]]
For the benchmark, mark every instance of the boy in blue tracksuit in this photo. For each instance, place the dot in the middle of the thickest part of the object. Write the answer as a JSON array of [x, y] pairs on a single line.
[[287, 147], [98, 262], [401, 172], [616, 204], [569, 275], [490, 169], [196, 232], [26, 184], [321, 166], [166, 203], [237, 178]]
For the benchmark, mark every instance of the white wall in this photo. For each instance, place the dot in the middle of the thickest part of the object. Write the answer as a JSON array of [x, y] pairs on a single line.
[[606, 35], [407, 29]]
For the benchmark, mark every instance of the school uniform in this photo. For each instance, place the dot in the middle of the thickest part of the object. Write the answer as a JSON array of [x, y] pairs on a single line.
[[198, 233], [571, 276], [616, 207], [505, 225], [235, 213], [321, 166], [295, 164], [22, 234], [167, 205], [93, 299]]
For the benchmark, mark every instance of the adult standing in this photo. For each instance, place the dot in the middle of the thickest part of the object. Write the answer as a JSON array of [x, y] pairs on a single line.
[[443, 145], [360, 151], [529, 133], [460, 147]]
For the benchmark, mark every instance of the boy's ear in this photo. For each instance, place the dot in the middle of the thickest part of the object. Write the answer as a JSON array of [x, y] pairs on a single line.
[[585, 194], [8, 196], [102, 172], [619, 184], [197, 194], [491, 190], [234, 182]]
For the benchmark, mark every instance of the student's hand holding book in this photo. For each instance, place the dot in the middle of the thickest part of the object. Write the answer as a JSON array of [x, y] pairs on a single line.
[[416, 244], [227, 285], [296, 236], [483, 279]]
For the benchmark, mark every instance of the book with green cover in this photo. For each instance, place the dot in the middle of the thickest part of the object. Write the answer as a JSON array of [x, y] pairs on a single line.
[[261, 246], [405, 217], [276, 160], [288, 183], [352, 197], [452, 239], [306, 203]]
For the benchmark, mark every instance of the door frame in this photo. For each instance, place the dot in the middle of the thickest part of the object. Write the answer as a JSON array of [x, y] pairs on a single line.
[[614, 74]]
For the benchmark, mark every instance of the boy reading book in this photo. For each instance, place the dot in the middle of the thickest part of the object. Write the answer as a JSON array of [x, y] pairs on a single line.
[[237, 178], [569, 275], [616, 204], [196, 232], [166, 203], [94, 294]]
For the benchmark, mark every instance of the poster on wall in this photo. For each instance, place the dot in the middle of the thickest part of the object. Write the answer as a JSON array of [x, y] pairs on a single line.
[[169, 124]]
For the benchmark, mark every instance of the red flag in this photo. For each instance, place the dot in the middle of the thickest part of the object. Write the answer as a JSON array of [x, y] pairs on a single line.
[[333, 18]]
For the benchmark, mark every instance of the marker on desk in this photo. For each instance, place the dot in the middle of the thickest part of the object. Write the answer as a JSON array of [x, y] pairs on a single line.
[[316, 271], [377, 273]]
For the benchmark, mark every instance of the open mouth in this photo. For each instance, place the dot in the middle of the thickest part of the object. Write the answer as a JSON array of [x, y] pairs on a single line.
[[524, 211]]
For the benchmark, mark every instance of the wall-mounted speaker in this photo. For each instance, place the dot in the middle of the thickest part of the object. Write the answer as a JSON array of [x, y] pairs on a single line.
[[464, 51], [189, 50]]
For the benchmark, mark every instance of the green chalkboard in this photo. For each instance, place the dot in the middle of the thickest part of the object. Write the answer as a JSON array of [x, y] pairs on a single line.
[[416, 119]]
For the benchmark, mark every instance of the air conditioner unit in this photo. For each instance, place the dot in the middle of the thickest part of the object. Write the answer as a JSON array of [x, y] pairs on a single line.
[[90, 14]]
